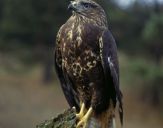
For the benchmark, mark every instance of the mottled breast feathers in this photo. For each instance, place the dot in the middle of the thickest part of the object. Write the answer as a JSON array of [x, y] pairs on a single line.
[[86, 61]]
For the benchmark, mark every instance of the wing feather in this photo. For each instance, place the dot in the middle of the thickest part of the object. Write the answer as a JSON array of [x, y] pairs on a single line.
[[108, 52], [65, 81]]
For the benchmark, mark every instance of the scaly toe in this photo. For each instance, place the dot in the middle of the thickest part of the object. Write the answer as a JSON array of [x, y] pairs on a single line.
[[82, 123], [79, 116], [81, 113]]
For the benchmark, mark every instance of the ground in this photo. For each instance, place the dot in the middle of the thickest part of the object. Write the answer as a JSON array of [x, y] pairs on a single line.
[[25, 102]]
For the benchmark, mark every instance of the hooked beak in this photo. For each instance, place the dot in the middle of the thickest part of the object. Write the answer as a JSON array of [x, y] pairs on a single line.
[[72, 6]]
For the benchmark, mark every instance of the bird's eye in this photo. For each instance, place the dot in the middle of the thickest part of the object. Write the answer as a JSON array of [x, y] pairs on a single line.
[[86, 5]]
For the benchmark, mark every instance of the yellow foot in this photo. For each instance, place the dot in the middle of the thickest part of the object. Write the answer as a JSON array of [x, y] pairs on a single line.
[[82, 112], [83, 121]]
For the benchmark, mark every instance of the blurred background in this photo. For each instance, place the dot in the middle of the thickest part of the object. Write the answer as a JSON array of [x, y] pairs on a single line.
[[29, 88]]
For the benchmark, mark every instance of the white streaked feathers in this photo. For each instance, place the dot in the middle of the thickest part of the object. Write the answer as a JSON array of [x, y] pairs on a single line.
[[110, 62]]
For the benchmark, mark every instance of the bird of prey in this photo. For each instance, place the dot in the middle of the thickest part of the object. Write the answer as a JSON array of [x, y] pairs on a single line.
[[87, 65]]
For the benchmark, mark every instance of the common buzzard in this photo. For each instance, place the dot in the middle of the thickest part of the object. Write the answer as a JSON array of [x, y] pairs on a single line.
[[87, 65]]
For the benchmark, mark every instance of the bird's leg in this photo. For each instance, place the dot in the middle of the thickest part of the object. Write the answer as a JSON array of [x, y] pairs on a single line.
[[83, 121], [82, 112]]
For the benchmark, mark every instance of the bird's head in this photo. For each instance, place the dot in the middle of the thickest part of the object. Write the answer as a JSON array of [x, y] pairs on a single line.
[[89, 9]]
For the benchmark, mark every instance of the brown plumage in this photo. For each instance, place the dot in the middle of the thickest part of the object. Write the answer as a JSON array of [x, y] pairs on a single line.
[[87, 65]]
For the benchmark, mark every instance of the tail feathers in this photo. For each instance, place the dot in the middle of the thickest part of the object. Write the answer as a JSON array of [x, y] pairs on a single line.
[[104, 120], [121, 113], [120, 108], [94, 123], [114, 123]]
